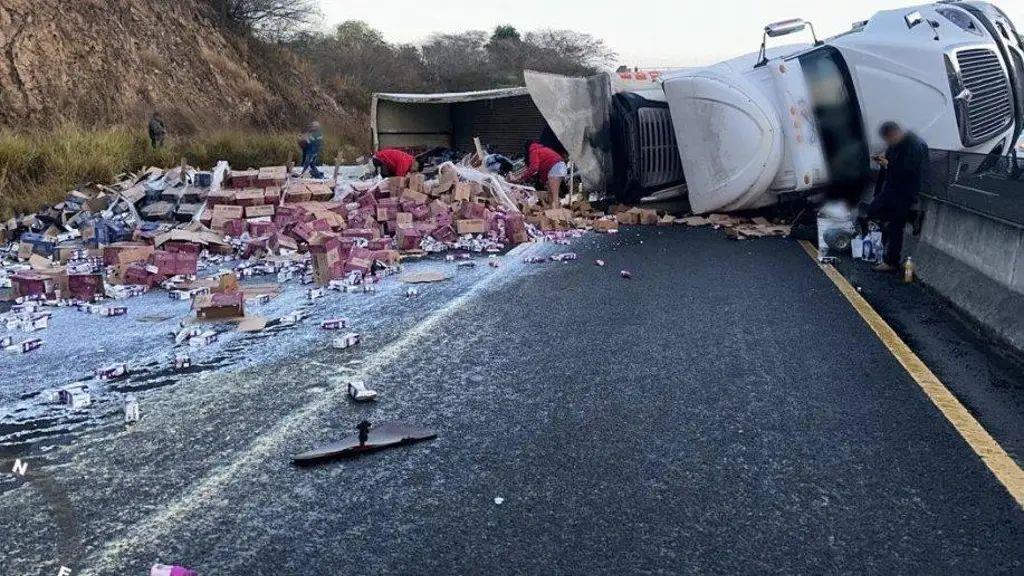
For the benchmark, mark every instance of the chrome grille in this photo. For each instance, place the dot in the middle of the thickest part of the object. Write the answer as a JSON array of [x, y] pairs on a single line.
[[990, 109], [658, 154]]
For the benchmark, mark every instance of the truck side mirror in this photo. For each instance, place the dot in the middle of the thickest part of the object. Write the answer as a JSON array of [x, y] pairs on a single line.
[[782, 28], [776, 29]]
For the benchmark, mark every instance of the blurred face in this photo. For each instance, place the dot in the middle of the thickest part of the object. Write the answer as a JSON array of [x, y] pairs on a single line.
[[894, 137]]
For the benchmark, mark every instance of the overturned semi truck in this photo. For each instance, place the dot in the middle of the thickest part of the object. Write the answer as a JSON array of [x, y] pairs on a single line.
[[779, 123]]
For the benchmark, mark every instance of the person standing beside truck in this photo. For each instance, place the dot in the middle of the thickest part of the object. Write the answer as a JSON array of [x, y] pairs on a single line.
[[902, 178], [312, 143], [157, 131], [543, 162], [392, 162]]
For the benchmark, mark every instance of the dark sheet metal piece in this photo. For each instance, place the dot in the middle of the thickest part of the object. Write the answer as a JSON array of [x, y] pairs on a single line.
[[379, 437]]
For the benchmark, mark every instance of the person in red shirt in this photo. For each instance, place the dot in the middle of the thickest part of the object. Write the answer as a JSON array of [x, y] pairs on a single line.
[[547, 165], [392, 162]]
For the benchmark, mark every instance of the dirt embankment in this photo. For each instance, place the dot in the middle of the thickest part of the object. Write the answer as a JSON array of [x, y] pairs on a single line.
[[102, 62]]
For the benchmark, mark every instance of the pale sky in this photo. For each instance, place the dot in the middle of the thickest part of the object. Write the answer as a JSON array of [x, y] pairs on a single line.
[[646, 33]]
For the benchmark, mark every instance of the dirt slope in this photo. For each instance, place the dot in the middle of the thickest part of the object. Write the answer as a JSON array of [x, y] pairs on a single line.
[[100, 62]]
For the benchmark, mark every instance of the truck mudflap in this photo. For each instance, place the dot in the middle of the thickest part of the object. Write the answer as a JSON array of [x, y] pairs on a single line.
[[578, 112], [730, 139]]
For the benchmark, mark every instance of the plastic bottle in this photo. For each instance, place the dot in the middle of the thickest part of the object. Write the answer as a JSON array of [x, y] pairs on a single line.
[[857, 246], [908, 270]]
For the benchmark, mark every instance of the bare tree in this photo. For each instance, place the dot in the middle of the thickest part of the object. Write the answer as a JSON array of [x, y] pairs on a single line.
[[355, 60], [566, 52], [458, 61], [273, 20]]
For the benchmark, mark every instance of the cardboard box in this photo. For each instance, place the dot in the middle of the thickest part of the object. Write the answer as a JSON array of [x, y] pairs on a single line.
[[403, 219], [462, 191], [416, 182], [414, 196], [124, 253], [648, 217], [243, 178], [226, 197], [472, 210], [185, 263], [629, 217], [250, 197], [361, 265], [262, 229], [31, 284], [297, 192], [559, 215], [260, 211], [85, 286], [220, 306], [475, 226], [320, 192], [408, 238], [228, 212]]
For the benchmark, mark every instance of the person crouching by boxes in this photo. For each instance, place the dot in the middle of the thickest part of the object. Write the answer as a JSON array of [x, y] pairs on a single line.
[[547, 165]]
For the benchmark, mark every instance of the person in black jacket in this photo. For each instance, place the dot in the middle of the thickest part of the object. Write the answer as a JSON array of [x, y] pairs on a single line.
[[902, 179], [157, 130]]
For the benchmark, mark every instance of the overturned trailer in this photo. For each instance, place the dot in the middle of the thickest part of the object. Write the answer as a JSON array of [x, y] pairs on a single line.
[[505, 119]]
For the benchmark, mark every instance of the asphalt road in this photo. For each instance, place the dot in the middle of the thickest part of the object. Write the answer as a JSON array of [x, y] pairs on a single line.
[[723, 412]]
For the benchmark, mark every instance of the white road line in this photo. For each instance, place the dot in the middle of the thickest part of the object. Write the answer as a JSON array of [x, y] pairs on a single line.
[[175, 515], [978, 190]]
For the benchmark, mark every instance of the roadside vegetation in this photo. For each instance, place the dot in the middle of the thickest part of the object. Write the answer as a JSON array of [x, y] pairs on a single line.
[[38, 169]]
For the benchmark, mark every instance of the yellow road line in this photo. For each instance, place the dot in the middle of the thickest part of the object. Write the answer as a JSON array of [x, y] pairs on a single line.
[[986, 447]]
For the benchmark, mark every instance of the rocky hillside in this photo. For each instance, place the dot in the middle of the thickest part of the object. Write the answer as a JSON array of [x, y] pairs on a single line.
[[102, 62]]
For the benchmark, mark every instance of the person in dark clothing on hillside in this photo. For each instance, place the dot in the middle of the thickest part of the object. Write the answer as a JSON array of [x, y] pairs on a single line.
[[157, 130], [311, 143], [902, 179]]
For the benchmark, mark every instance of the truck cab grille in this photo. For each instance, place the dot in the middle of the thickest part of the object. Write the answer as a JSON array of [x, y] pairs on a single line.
[[989, 107], [657, 155]]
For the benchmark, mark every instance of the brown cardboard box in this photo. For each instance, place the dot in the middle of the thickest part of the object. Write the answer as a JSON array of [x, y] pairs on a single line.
[[250, 197], [220, 197], [220, 305], [413, 196], [226, 212], [462, 191], [560, 215], [416, 182], [259, 211], [475, 226], [320, 192], [403, 219], [629, 217], [439, 207], [648, 217]]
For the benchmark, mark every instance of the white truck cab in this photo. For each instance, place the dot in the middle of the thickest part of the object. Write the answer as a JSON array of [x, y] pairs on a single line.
[[789, 120]]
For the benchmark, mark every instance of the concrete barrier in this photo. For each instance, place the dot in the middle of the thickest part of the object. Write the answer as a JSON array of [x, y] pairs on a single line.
[[977, 263]]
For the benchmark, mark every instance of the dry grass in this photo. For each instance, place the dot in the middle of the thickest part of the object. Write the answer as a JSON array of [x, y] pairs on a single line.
[[37, 169]]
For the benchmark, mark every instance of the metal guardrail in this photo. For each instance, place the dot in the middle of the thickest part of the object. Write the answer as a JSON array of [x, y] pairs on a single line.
[[988, 185]]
